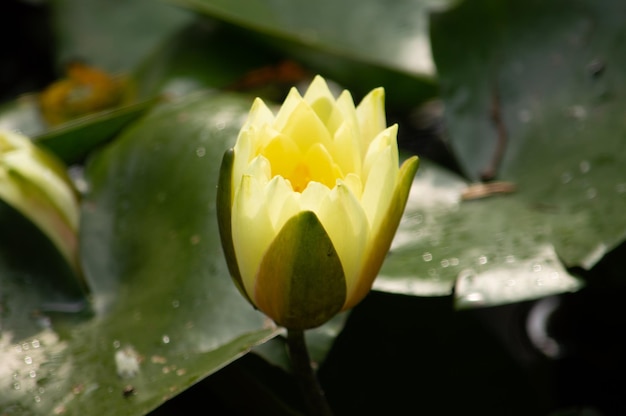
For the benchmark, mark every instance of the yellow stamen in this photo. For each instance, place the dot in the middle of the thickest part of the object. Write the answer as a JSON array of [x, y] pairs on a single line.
[[300, 177]]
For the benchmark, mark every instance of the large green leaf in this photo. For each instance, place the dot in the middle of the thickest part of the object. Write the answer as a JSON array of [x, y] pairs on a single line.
[[165, 311], [115, 36], [205, 54], [361, 44], [73, 140], [556, 71], [445, 244]]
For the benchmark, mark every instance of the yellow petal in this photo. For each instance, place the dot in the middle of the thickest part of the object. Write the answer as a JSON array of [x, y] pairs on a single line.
[[345, 105], [347, 149], [381, 179], [312, 196], [353, 182], [304, 127], [321, 167], [345, 222], [320, 99], [282, 202], [384, 140], [292, 100], [284, 155], [244, 153], [380, 240], [251, 227], [259, 115], [371, 115]]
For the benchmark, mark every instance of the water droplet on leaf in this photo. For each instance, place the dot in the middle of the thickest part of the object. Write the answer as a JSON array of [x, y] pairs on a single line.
[[584, 166]]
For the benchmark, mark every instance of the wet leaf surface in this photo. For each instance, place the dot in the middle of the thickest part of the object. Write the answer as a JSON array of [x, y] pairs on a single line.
[[165, 313], [555, 73], [542, 82]]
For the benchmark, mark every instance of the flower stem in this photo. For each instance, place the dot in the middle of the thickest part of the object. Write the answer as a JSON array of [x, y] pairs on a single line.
[[309, 385]]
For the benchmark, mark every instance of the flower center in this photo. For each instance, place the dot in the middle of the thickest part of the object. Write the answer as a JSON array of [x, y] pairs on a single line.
[[301, 167], [300, 177]]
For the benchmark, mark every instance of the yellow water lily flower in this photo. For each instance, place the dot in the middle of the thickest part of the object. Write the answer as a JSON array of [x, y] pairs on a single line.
[[308, 202]]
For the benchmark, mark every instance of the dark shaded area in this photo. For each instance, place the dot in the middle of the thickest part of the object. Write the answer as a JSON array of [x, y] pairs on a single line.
[[26, 60], [48, 285], [420, 356], [408, 355], [237, 390]]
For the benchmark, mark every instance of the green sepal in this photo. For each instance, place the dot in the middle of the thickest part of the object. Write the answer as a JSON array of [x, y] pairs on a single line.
[[223, 202], [301, 282]]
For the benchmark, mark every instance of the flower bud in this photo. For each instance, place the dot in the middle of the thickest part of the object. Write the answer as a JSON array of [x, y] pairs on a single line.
[[308, 202], [35, 184]]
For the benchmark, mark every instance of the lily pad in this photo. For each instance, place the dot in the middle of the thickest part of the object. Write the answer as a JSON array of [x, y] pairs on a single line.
[[552, 76], [165, 312], [446, 244], [113, 36], [361, 44], [533, 98], [73, 140], [201, 55]]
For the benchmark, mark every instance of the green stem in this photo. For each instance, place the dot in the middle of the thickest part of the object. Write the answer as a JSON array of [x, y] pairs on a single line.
[[309, 385]]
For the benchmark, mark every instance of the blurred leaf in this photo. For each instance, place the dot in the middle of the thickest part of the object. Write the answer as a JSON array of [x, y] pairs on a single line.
[[73, 140], [22, 115], [550, 77], [166, 311], [360, 44], [113, 35], [205, 54]]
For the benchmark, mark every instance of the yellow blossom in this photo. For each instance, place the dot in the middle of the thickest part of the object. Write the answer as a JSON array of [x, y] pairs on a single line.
[[309, 200]]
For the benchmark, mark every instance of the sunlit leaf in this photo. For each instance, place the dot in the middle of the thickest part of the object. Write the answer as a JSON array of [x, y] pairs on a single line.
[[542, 82], [73, 140], [165, 312], [490, 251], [554, 74], [361, 44], [113, 36]]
